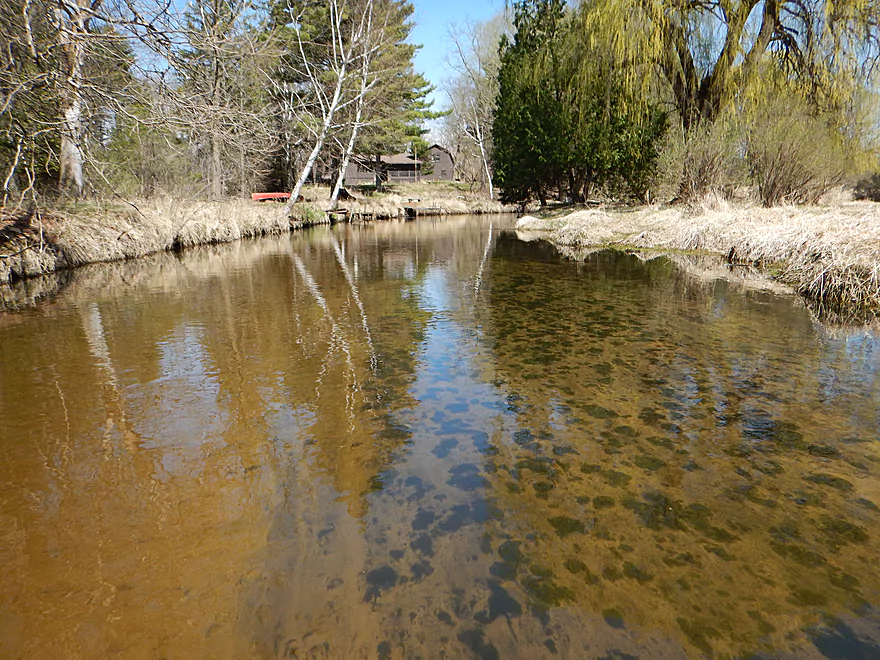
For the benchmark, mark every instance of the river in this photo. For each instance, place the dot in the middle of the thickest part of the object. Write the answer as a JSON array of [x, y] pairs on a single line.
[[433, 439]]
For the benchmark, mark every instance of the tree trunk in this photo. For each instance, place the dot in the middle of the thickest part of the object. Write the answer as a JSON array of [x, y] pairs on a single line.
[[587, 186], [479, 137], [304, 174], [319, 140], [216, 167], [355, 129], [243, 181], [10, 183], [485, 160], [71, 159], [346, 159], [71, 156], [378, 173]]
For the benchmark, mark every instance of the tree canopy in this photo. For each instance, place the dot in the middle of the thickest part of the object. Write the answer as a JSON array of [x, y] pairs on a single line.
[[707, 51], [555, 129], [209, 98]]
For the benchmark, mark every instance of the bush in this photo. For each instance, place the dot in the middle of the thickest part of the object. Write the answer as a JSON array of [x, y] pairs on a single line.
[[868, 188], [794, 157], [307, 215], [698, 164]]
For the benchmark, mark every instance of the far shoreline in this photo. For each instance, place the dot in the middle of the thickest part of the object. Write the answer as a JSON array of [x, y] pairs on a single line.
[[39, 242]]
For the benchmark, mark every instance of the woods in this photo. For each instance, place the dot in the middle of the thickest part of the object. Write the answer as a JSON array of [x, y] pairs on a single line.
[[637, 100], [628, 100], [133, 98]]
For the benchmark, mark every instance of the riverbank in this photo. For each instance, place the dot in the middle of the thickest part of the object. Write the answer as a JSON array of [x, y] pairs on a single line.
[[429, 197], [829, 255], [42, 242], [37, 243]]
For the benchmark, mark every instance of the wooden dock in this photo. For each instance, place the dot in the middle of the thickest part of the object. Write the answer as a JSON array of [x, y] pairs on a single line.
[[338, 215], [346, 215], [413, 212]]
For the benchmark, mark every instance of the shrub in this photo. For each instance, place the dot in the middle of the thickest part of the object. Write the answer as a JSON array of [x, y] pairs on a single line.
[[868, 188], [307, 215], [701, 163], [794, 156]]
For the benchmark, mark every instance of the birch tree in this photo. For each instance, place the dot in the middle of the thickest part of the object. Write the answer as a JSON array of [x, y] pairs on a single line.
[[62, 63], [383, 105], [371, 44], [473, 91], [72, 22], [389, 97], [317, 86]]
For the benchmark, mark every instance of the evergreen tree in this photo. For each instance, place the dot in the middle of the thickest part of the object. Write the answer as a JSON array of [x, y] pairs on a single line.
[[555, 131]]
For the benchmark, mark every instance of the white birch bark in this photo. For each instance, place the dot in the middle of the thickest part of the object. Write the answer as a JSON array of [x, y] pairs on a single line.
[[344, 53], [72, 23], [346, 158], [372, 43], [479, 137]]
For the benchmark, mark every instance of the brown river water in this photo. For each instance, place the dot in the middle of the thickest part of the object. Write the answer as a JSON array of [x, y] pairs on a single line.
[[434, 440]]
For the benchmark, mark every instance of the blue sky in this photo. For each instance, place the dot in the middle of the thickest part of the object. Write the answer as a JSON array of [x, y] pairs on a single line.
[[432, 18]]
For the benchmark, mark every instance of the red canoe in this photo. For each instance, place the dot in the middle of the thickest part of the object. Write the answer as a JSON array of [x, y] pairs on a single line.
[[262, 197]]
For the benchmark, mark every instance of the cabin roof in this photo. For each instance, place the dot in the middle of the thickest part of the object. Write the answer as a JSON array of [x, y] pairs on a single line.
[[404, 158], [400, 159]]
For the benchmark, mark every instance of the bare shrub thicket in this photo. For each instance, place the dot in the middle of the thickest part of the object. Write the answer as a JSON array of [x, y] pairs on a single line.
[[794, 156], [781, 152], [868, 188], [700, 163]]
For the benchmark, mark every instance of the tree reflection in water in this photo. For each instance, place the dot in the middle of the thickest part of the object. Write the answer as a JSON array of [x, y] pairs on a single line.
[[431, 438]]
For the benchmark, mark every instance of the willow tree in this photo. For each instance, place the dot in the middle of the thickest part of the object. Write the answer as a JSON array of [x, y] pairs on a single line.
[[707, 50], [556, 128]]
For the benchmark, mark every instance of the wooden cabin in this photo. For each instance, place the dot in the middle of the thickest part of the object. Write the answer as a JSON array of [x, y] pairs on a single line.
[[401, 168]]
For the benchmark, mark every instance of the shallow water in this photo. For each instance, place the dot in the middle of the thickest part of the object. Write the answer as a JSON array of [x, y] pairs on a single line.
[[433, 440]]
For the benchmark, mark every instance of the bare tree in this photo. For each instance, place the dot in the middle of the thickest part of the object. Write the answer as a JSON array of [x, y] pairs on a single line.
[[473, 91], [216, 94], [48, 80], [319, 95], [72, 21], [367, 79]]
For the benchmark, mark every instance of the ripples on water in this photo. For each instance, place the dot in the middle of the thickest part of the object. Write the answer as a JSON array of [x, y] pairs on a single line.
[[433, 440]]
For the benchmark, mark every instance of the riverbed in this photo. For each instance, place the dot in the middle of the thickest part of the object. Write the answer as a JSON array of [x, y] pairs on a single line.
[[434, 439]]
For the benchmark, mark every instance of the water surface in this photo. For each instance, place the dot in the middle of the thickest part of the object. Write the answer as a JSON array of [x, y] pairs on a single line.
[[433, 440]]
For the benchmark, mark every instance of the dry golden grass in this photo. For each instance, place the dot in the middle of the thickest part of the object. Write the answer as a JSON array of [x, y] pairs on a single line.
[[41, 244], [89, 233], [831, 255], [448, 197]]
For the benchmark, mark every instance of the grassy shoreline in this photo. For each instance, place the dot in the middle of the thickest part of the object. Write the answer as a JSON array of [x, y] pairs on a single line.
[[36, 244], [446, 197], [829, 255]]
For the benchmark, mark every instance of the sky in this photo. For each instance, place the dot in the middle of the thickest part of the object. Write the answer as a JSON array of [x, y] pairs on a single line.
[[432, 20]]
